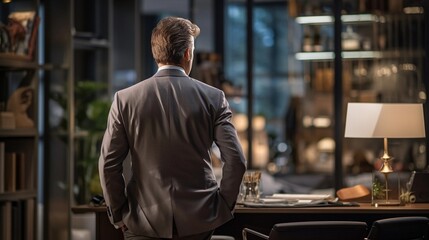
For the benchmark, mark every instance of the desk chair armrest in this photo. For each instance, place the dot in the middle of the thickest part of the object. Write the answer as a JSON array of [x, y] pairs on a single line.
[[247, 230]]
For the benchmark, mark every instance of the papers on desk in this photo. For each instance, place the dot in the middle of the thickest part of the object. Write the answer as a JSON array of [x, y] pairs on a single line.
[[300, 197], [272, 200], [301, 204], [297, 200]]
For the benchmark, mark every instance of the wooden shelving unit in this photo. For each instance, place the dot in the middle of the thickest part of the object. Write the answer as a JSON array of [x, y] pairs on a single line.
[[90, 50], [19, 155]]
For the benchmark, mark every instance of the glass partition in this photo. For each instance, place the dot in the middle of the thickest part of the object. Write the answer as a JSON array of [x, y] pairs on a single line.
[[294, 86]]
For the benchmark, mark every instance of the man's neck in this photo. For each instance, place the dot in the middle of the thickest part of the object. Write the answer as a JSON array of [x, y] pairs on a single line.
[[165, 66]]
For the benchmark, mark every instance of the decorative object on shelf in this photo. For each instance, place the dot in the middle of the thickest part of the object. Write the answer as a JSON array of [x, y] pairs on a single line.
[[385, 120], [20, 138], [19, 103], [16, 34], [4, 38], [7, 120], [307, 43], [19, 35], [351, 40]]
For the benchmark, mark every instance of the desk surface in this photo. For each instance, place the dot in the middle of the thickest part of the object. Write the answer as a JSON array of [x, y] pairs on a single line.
[[88, 209], [362, 208], [422, 208], [263, 219]]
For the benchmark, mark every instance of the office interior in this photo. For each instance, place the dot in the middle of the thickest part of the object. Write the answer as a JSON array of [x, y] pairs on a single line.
[[288, 68]]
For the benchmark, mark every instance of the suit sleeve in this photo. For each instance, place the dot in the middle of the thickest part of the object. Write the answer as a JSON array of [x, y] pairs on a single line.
[[234, 163], [114, 149]]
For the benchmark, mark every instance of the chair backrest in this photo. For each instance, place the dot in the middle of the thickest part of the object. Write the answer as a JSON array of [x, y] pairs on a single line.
[[320, 230], [400, 228]]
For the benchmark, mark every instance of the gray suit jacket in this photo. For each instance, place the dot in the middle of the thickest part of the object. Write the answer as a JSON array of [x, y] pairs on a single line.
[[167, 125]]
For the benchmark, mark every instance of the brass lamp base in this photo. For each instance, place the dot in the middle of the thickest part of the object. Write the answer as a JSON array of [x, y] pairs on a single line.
[[385, 189]]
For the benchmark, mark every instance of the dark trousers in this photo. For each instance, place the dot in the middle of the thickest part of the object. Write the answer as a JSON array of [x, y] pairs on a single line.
[[200, 236]]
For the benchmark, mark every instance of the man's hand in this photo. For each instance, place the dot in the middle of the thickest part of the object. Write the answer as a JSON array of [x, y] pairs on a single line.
[[124, 228]]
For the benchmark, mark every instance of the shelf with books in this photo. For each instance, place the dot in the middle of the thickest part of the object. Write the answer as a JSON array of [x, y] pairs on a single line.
[[18, 195], [17, 219], [15, 62], [79, 92], [19, 111], [18, 175], [18, 160], [20, 132]]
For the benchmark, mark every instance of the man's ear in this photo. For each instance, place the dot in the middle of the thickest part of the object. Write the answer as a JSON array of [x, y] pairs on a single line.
[[188, 54]]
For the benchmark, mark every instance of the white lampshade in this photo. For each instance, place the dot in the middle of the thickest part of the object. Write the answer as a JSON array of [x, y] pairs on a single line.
[[385, 120]]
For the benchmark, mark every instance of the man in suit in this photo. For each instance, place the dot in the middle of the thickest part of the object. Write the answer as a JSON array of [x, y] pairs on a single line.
[[167, 125]]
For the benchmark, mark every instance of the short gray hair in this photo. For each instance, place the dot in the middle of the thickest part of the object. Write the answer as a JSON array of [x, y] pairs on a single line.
[[170, 38]]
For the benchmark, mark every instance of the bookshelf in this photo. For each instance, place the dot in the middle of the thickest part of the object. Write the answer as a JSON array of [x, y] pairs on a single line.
[[95, 42], [19, 114]]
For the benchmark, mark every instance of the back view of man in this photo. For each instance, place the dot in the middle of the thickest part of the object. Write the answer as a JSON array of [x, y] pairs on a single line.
[[167, 124]]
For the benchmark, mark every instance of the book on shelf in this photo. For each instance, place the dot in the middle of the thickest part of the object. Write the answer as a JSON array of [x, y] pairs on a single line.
[[20, 171], [10, 172], [2, 166], [32, 44], [29, 219], [6, 221], [15, 177], [12, 220], [17, 219]]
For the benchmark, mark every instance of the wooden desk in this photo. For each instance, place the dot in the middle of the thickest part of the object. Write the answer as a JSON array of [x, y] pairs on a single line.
[[104, 230], [262, 219]]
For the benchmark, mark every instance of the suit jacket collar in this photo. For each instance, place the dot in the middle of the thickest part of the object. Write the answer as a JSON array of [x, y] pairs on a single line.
[[170, 72]]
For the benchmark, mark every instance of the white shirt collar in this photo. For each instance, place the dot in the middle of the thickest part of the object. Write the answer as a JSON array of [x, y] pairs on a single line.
[[171, 67]]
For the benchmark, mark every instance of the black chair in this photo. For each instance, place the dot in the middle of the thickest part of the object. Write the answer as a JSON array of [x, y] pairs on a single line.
[[399, 228], [312, 230]]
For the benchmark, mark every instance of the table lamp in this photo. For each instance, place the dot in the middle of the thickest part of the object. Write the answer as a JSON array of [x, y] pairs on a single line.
[[385, 120]]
